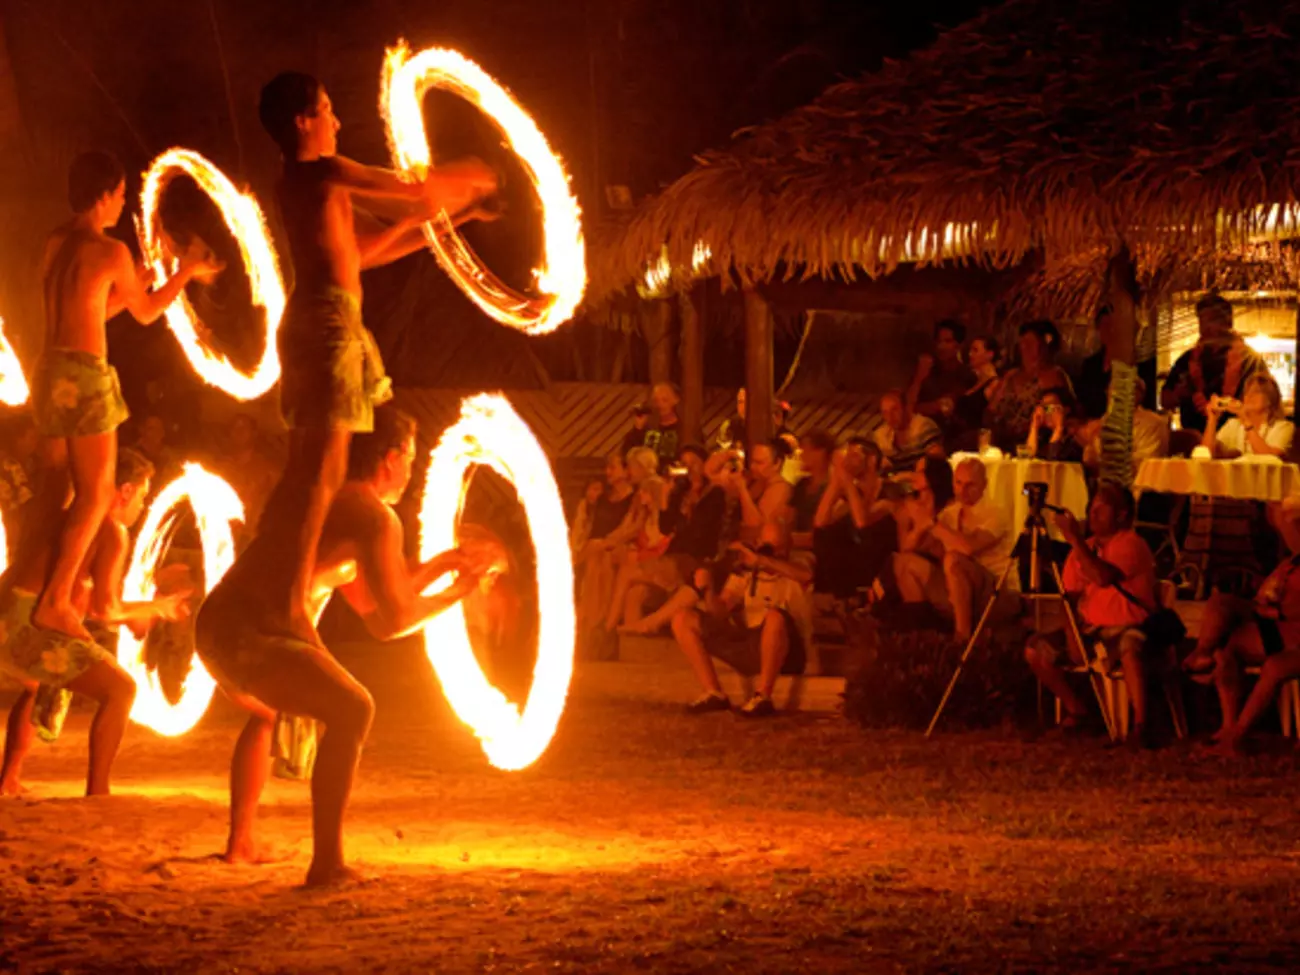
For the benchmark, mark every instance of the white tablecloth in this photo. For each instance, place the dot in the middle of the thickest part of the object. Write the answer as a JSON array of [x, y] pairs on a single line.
[[1247, 480], [1066, 486]]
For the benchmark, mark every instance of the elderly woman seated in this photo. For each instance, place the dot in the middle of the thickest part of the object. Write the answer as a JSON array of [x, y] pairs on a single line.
[[1259, 428], [1263, 631]]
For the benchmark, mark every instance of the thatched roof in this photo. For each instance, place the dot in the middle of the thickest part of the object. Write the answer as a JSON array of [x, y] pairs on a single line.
[[1041, 127]]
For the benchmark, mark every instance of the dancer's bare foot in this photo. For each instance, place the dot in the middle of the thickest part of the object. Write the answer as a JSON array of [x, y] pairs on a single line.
[[640, 628], [59, 619], [252, 853], [333, 875], [1227, 746], [13, 789]]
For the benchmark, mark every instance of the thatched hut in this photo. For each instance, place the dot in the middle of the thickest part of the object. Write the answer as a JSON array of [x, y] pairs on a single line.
[[1031, 141]]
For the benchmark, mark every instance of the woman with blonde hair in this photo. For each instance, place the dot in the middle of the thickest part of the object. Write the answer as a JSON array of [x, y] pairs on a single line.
[[1259, 428]]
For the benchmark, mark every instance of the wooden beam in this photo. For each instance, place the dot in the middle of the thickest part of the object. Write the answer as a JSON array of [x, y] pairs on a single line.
[[692, 358], [758, 369], [657, 327]]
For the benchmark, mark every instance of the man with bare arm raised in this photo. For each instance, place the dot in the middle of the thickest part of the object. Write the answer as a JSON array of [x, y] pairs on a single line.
[[87, 277], [361, 556]]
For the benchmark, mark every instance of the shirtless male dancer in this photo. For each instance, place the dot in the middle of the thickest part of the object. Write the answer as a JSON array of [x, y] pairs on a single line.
[[87, 277], [360, 555], [81, 667], [332, 374]]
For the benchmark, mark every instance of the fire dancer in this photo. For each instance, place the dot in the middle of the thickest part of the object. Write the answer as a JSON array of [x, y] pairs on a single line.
[[79, 666], [88, 277], [360, 555], [333, 377]]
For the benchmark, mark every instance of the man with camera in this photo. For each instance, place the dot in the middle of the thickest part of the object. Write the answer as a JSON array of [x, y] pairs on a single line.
[[1114, 574], [759, 621]]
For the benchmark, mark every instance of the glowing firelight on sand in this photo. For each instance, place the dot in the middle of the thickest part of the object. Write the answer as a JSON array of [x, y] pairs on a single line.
[[491, 433], [562, 279], [244, 218], [13, 384], [215, 506]]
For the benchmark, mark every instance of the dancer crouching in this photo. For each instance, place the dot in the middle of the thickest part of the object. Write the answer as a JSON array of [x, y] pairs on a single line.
[[360, 556]]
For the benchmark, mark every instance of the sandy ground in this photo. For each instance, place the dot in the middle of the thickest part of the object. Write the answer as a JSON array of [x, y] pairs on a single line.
[[648, 841]]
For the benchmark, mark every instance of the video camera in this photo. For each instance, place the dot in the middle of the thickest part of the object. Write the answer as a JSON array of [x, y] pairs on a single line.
[[1036, 492]]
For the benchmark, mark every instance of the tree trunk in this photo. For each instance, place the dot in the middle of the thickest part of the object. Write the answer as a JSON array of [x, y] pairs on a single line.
[[1121, 294], [657, 327], [692, 355], [758, 369]]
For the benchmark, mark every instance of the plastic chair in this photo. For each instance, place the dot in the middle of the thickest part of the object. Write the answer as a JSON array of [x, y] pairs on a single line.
[[1288, 704], [1112, 690]]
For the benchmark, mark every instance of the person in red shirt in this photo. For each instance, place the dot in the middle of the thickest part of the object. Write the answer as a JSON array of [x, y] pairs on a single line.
[[1113, 571]]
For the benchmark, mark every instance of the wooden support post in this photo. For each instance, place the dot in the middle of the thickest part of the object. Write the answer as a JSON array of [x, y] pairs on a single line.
[[1295, 375], [758, 369], [1122, 296], [692, 356], [657, 327]]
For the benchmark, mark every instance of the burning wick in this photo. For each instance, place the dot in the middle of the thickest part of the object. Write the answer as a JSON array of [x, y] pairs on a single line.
[[562, 279], [244, 218], [491, 433]]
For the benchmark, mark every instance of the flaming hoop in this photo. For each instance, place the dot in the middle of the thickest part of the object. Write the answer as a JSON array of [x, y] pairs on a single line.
[[562, 278], [215, 506], [491, 433], [13, 384], [244, 218]]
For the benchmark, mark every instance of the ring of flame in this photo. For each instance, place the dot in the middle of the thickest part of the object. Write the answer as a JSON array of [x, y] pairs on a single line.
[[491, 433], [563, 277], [244, 218], [215, 505], [13, 384]]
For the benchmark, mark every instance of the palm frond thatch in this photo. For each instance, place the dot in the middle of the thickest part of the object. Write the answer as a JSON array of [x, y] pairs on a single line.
[[1044, 126]]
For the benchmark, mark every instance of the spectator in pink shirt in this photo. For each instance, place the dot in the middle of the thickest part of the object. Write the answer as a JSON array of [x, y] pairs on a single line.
[[1114, 573]]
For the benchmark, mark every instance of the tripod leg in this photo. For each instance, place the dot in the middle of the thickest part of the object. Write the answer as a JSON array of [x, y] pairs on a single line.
[[970, 645], [1094, 678]]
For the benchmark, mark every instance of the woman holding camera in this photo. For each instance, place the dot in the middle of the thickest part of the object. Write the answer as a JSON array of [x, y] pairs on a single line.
[[1259, 428], [1051, 436]]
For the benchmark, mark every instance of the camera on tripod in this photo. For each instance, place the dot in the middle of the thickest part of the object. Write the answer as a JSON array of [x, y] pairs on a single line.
[[1036, 492]]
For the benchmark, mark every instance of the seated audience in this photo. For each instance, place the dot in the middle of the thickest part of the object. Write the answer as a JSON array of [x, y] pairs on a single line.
[[664, 433], [647, 545], [968, 417], [1219, 363], [1260, 429], [905, 437], [929, 490], [1263, 632], [1051, 434], [1114, 573], [763, 494], [815, 451], [640, 425], [694, 521], [1011, 410], [1150, 434], [596, 560], [732, 432], [973, 545], [768, 591], [580, 526], [1094, 373], [941, 377], [854, 532]]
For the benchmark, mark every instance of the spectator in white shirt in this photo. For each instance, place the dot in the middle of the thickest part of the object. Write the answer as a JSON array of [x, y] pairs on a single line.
[[1150, 433], [905, 437], [976, 547], [1259, 429]]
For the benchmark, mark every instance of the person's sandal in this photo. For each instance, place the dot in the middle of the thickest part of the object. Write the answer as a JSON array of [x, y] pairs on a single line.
[[758, 706], [709, 703]]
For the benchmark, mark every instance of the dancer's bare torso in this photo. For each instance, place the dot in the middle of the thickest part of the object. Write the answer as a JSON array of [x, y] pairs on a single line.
[[319, 221], [77, 273]]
